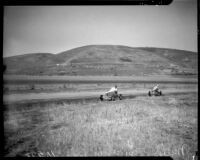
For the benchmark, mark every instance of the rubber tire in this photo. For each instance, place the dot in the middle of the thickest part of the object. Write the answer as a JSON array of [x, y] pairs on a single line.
[[149, 94], [120, 97], [101, 97]]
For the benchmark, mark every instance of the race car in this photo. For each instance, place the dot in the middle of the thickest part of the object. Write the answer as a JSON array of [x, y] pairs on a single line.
[[111, 96], [155, 93]]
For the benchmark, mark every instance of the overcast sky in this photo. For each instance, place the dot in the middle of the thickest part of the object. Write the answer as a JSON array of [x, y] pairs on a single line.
[[53, 29]]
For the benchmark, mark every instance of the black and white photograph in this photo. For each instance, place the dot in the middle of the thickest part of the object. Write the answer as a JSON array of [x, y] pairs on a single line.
[[101, 80]]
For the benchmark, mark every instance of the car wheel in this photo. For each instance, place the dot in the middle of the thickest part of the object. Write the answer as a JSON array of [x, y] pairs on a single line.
[[101, 97], [120, 97], [149, 94]]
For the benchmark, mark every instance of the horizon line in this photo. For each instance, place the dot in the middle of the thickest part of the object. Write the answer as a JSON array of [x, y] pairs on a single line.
[[98, 45]]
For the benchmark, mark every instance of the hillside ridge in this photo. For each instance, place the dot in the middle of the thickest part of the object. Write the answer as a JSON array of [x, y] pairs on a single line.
[[115, 60]]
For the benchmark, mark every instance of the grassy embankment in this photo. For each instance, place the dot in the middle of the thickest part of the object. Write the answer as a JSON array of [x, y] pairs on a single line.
[[153, 126]]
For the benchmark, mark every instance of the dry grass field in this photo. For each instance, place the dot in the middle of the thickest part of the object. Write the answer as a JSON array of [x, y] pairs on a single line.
[[143, 126]]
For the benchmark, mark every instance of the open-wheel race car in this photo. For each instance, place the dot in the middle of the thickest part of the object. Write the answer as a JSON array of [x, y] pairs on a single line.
[[155, 93], [111, 96]]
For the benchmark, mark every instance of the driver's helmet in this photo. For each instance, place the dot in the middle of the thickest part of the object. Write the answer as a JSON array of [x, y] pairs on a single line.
[[115, 86]]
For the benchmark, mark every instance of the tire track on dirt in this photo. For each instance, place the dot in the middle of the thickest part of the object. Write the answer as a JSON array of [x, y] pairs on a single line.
[[41, 97]]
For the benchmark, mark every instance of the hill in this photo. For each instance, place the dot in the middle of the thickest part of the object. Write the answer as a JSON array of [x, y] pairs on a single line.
[[105, 60]]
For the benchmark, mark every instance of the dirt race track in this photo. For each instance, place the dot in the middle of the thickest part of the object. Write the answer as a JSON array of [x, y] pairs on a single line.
[[41, 97], [17, 79]]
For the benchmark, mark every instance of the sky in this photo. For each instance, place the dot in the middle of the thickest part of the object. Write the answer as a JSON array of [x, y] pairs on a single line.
[[53, 29]]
